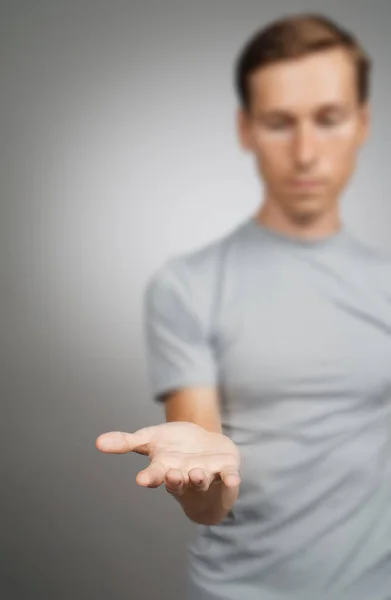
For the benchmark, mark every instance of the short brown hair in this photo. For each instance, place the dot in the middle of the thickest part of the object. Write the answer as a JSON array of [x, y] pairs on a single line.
[[294, 37]]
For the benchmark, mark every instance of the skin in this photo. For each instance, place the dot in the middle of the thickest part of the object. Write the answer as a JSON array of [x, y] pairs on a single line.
[[188, 459], [304, 128], [169, 450]]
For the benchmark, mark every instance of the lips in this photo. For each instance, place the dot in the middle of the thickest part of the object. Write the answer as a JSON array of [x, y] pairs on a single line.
[[305, 183]]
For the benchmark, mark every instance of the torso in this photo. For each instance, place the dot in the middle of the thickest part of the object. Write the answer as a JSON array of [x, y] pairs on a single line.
[[302, 338]]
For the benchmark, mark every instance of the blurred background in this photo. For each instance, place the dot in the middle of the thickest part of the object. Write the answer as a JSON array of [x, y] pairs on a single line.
[[118, 149]]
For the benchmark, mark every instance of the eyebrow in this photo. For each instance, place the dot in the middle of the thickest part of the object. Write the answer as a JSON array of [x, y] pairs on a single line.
[[334, 107], [286, 113]]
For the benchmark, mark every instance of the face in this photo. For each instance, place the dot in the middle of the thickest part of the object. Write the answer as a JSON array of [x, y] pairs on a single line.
[[305, 128]]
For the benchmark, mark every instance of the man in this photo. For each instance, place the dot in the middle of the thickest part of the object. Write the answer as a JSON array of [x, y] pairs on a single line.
[[271, 349]]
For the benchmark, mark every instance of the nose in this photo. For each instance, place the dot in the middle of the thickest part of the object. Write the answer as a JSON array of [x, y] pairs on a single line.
[[304, 147]]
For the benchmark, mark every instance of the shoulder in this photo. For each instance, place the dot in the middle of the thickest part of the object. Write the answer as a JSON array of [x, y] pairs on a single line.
[[197, 270], [188, 284], [370, 255], [374, 264]]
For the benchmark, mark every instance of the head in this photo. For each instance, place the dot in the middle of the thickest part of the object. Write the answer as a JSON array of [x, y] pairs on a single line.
[[303, 86]]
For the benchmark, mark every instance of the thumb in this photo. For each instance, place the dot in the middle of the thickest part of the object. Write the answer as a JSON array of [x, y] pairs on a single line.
[[120, 442]]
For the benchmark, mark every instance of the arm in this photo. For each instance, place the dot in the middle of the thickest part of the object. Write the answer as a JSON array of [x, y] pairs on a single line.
[[198, 465], [189, 453], [183, 374], [201, 406]]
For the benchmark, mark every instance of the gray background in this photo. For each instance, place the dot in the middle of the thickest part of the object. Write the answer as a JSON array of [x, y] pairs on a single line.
[[118, 149]]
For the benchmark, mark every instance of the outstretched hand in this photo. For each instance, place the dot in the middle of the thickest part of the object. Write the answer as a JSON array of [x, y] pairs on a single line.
[[182, 455]]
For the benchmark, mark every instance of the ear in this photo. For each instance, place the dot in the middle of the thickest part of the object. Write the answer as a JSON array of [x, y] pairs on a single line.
[[365, 116], [243, 129]]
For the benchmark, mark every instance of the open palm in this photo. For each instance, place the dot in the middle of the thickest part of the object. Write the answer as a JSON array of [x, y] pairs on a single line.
[[181, 455]]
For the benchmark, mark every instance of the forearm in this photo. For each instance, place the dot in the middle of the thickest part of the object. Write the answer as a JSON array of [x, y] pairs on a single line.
[[210, 507]]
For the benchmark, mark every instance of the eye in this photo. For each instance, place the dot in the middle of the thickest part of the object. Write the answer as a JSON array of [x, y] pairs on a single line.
[[330, 120], [279, 125]]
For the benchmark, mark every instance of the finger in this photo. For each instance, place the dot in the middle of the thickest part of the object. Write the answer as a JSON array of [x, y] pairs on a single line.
[[152, 476], [175, 482], [230, 476], [119, 442], [199, 479]]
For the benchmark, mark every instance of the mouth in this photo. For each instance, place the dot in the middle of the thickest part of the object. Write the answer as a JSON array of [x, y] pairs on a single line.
[[305, 184]]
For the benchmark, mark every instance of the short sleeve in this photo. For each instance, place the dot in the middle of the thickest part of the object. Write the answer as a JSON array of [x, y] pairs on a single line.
[[178, 352]]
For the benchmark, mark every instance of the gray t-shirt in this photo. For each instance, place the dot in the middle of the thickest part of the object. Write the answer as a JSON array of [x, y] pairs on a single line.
[[297, 337]]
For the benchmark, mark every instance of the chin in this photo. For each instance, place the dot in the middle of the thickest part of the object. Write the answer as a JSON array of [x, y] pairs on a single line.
[[305, 215]]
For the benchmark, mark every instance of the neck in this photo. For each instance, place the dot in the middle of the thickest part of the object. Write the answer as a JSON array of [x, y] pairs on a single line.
[[273, 217]]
